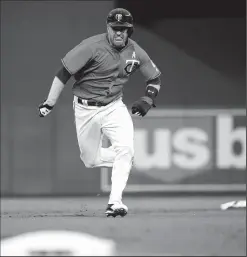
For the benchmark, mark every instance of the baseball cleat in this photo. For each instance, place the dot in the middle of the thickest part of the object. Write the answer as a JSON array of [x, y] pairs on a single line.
[[114, 210]]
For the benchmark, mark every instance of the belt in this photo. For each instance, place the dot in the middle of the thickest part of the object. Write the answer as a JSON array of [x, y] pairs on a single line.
[[90, 102]]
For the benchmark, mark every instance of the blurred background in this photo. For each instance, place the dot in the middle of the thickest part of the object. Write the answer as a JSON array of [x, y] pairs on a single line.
[[194, 141]]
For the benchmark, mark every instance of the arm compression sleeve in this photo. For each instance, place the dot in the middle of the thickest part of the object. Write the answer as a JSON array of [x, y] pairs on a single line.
[[55, 91]]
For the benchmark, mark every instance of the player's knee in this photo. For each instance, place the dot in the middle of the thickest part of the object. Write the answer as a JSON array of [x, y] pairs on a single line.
[[89, 163]]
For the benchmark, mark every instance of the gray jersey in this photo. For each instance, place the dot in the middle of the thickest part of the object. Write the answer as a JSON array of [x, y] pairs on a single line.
[[101, 71]]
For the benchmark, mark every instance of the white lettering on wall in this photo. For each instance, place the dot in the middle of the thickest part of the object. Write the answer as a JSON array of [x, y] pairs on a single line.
[[160, 157], [226, 137], [191, 151]]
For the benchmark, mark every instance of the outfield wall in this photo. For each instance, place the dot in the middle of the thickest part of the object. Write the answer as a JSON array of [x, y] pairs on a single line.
[[175, 150]]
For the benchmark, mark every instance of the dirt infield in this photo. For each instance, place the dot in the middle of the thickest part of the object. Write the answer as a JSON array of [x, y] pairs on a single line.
[[154, 225]]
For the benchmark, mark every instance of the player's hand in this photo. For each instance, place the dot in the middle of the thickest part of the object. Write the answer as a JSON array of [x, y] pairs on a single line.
[[44, 109], [142, 106]]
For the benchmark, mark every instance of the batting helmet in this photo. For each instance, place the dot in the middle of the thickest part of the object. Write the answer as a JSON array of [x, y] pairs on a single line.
[[120, 17]]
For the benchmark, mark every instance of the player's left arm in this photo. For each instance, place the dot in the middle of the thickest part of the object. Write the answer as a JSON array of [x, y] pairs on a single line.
[[152, 76]]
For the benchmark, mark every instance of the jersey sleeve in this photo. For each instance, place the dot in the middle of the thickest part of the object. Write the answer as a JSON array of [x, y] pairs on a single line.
[[148, 69], [77, 58]]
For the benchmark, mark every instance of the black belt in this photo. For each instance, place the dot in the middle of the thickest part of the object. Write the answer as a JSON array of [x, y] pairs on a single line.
[[91, 102]]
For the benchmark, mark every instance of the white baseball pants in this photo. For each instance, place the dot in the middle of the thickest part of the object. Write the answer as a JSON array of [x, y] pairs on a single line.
[[115, 122]]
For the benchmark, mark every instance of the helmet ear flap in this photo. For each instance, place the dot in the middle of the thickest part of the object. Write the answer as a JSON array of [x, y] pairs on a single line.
[[130, 31]]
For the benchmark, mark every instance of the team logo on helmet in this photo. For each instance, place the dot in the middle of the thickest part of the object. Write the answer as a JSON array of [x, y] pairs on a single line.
[[119, 17]]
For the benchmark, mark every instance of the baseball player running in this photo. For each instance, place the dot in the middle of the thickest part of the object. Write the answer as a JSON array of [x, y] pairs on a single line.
[[101, 65]]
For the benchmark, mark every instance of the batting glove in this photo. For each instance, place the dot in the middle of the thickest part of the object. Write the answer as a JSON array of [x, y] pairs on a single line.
[[142, 106], [44, 109]]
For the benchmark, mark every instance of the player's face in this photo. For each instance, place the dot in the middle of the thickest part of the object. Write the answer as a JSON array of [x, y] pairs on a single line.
[[117, 36]]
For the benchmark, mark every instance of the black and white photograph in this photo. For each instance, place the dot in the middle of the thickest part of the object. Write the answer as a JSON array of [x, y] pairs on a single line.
[[123, 128]]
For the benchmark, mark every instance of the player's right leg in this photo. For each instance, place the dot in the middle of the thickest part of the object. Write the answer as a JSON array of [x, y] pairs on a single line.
[[89, 136]]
